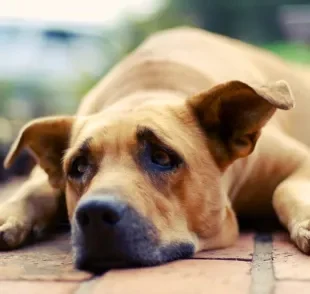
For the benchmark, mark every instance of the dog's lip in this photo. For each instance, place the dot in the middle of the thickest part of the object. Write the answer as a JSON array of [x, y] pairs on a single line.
[[99, 266]]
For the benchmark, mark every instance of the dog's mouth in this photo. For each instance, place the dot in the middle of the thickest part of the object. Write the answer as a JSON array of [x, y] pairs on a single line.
[[98, 264], [132, 242]]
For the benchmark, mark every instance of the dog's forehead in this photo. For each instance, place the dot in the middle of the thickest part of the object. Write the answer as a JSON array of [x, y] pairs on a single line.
[[164, 119], [117, 134]]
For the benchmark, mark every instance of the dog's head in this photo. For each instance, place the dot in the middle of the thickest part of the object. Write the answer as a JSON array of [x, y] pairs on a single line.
[[143, 185]]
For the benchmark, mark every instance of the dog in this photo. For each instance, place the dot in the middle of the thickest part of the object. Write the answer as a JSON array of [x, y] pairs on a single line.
[[188, 131]]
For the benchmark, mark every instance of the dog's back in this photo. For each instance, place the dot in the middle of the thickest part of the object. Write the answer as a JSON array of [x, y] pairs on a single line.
[[192, 60]]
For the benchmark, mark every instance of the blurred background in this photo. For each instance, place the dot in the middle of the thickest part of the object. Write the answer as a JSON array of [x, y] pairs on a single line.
[[53, 52]]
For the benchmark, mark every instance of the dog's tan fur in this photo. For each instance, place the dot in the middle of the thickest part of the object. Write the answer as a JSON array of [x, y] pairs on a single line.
[[190, 87]]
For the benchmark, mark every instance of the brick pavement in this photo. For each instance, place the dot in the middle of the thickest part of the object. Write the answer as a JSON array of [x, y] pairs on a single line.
[[260, 263]]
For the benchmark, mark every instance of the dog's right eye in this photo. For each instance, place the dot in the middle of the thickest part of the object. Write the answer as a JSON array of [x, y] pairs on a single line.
[[79, 167]]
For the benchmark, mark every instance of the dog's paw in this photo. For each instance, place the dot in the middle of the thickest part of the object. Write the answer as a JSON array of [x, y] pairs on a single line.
[[14, 227], [13, 233], [300, 234]]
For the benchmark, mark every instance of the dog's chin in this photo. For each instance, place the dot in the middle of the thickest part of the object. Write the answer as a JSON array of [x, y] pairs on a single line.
[[153, 256], [98, 266]]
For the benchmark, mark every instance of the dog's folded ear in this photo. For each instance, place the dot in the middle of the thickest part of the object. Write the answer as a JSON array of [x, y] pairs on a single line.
[[233, 113], [46, 139]]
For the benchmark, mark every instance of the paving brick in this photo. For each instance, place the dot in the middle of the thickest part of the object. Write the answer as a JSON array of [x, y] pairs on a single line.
[[50, 260], [289, 287], [26, 287], [262, 267], [289, 262], [180, 277], [242, 250]]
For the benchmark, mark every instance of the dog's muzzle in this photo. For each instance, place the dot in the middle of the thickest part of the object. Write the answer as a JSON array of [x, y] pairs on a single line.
[[108, 233]]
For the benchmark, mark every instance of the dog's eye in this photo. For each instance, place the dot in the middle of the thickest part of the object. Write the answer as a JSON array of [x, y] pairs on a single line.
[[78, 167], [163, 159]]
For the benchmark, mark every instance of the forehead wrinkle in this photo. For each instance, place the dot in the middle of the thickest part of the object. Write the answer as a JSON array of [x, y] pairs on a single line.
[[90, 135], [168, 129], [182, 127], [77, 128], [112, 135], [81, 146], [146, 133], [85, 146]]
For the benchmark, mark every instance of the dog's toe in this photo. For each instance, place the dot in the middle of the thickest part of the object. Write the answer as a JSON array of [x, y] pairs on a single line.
[[13, 233], [301, 236]]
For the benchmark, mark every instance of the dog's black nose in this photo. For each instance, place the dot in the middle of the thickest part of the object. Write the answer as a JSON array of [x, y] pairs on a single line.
[[109, 233], [96, 212]]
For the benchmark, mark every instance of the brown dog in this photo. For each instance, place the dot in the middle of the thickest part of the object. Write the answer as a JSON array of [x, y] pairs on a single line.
[[156, 158]]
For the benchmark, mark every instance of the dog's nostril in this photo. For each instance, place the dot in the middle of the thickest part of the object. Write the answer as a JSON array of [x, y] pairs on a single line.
[[111, 217], [99, 212], [84, 219]]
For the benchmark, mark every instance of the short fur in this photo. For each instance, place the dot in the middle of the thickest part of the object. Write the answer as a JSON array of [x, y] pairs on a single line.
[[213, 101]]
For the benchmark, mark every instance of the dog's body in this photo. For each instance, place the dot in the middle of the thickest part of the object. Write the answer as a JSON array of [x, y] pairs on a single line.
[[156, 87]]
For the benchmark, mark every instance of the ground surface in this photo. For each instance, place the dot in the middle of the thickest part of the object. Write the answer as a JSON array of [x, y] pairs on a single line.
[[260, 263]]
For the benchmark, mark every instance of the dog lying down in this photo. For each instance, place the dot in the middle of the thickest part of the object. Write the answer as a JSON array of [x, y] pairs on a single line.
[[186, 132]]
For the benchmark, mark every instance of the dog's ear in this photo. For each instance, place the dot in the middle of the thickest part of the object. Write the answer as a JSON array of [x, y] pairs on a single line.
[[233, 113], [46, 139]]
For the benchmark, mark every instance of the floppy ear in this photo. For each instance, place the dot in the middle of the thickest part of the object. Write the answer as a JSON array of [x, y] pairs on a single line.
[[233, 113], [46, 139]]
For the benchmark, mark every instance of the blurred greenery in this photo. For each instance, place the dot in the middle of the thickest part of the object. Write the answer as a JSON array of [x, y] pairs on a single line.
[[297, 52], [252, 21]]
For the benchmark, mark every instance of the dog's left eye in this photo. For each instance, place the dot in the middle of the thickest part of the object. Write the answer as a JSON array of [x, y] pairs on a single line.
[[78, 167], [163, 159]]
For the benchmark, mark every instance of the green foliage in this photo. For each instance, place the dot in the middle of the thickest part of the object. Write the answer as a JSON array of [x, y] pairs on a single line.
[[295, 52], [6, 89], [253, 21]]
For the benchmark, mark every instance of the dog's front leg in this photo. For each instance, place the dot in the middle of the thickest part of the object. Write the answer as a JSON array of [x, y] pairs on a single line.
[[291, 200], [29, 211]]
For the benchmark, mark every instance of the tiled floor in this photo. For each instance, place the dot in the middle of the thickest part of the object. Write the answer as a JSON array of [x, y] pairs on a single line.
[[257, 264]]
